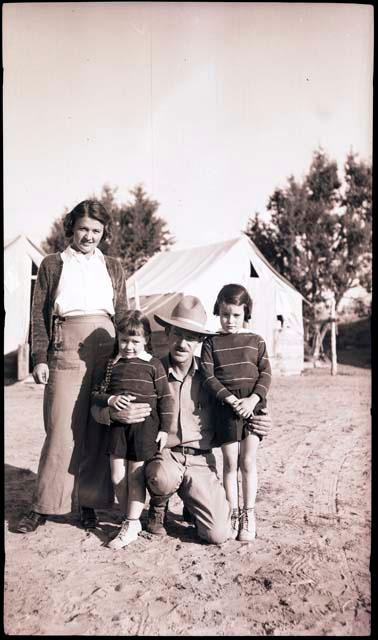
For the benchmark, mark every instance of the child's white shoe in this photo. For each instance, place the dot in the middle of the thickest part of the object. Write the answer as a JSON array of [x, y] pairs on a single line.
[[128, 533], [235, 524], [247, 531]]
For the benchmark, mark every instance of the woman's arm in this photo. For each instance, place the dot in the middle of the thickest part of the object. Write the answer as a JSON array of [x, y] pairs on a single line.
[[39, 329]]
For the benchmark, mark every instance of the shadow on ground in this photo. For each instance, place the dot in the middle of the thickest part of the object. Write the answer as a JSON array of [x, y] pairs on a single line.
[[18, 492]]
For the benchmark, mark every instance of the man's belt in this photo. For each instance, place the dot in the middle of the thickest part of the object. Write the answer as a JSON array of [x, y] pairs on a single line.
[[191, 451]]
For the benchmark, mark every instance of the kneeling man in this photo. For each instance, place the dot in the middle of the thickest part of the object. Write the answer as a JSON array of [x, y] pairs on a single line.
[[187, 465]]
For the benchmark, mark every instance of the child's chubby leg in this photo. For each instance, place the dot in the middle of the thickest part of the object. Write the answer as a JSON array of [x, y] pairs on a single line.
[[248, 467], [118, 469], [136, 490], [230, 453], [131, 526]]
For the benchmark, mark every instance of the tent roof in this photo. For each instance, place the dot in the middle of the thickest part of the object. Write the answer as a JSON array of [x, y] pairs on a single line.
[[263, 258], [8, 243], [165, 270], [34, 252]]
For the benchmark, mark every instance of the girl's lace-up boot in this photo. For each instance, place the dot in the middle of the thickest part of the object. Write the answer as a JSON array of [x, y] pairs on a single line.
[[247, 531]]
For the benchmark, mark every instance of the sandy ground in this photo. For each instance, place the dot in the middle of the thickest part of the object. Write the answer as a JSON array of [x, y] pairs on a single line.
[[307, 573]]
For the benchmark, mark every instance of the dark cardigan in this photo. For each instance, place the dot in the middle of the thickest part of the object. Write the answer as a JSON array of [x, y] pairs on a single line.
[[44, 297]]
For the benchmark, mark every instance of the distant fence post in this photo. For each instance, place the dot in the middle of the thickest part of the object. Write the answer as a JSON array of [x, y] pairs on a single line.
[[333, 338]]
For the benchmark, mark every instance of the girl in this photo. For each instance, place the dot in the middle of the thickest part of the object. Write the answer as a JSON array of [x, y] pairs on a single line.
[[134, 372], [237, 372]]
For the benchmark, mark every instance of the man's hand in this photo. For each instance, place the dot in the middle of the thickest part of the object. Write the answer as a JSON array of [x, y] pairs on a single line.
[[133, 412], [262, 423], [41, 373], [231, 400], [161, 439]]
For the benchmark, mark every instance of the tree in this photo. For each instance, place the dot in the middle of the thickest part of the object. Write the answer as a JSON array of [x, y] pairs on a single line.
[[137, 233], [141, 232], [294, 239], [56, 240], [319, 234], [356, 225]]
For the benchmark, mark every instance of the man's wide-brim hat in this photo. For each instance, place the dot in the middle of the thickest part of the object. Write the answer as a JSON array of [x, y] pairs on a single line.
[[188, 314]]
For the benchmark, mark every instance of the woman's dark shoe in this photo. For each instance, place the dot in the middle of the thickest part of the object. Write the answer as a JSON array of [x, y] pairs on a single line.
[[30, 522], [88, 518]]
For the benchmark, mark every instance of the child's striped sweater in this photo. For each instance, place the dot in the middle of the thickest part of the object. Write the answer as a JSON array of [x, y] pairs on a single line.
[[231, 361]]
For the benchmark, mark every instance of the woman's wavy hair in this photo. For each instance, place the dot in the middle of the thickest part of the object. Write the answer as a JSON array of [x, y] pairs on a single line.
[[234, 294], [91, 208], [135, 323]]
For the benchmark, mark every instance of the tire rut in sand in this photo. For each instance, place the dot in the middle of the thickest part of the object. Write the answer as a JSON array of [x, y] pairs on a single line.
[[311, 480]]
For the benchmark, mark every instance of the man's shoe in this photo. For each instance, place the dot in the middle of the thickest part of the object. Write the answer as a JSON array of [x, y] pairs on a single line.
[[30, 522], [247, 532], [128, 533], [187, 516], [88, 518], [156, 519]]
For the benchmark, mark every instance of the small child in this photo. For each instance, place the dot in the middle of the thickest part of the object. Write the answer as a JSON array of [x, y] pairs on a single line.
[[237, 373], [134, 372]]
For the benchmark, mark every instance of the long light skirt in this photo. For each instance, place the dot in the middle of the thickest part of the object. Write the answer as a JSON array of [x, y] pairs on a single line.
[[73, 467]]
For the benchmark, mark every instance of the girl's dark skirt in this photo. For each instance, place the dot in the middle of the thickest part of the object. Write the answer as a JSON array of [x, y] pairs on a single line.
[[229, 426]]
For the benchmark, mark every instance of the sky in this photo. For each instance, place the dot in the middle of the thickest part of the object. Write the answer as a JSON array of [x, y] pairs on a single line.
[[210, 106]]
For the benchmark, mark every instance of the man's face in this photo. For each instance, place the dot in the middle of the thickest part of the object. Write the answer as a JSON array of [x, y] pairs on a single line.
[[182, 345]]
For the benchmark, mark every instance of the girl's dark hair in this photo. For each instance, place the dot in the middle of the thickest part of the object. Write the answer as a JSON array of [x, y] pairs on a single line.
[[92, 209], [135, 323], [234, 294]]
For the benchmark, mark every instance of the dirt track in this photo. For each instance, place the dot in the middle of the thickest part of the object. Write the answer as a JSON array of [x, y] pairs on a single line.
[[307, 573]]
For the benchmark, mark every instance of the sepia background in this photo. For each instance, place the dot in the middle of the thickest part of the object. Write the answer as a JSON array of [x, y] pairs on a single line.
[[209, 105], [202, 111]]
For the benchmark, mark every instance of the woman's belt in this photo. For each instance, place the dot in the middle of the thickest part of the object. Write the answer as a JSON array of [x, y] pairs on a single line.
[[87, 316]]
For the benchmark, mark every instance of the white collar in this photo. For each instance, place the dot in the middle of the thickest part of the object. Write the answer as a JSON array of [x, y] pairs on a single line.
[[142, 356], [145, 356], [70, 253]]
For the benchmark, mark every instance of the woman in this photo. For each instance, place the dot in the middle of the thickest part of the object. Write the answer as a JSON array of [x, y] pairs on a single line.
[[80, 294]]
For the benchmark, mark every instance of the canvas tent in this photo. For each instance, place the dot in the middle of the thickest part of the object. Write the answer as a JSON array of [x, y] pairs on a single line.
[[202, 271], [21, 261]]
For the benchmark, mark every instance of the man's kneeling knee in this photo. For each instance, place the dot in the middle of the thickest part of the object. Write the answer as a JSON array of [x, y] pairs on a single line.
[[215, 535], [161, 478]]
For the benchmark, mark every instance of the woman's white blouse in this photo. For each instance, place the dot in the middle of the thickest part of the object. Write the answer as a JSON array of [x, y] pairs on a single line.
[[85, 286]]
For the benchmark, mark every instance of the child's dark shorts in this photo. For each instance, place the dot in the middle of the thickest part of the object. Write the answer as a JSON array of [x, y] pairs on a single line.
[[135, 442]]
